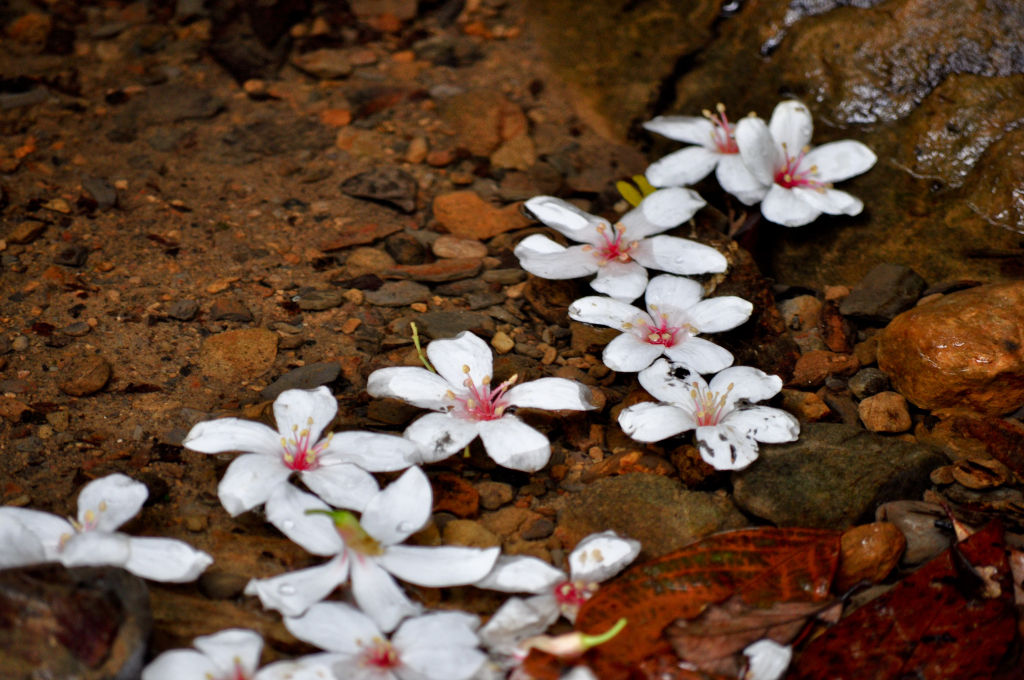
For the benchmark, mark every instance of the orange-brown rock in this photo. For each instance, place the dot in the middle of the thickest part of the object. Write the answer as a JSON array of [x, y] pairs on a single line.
[[885, 412], [868, 553], [814, 367], [964, 349], [465, 215]]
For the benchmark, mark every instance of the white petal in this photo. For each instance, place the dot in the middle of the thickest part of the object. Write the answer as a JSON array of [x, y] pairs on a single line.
[[443, 663], [230, 646], [553, 394], [758, 149], [621, 280], [178, 664], [566, 218], [841, 160], [108, 502], [294, 592], [516, 620], [400, 510], [700, 355], [96, 549], [726, 448], [679, 256], [299, 410], [718, 314], [650, 422], [452, 356], [21, 547], [513, 444], [768, 660], [783, 206], [342, 485], [690, 129], [521, 574], [232, 434], [379, 596], [629, 354], [735, 178], [765, 424], [437, 630], [792, 126], [660, 211], [600, 556], [418, 386], [441, 434], [672, 291], [540, 259], [286, 509], [166, 560], [671, 383], [606, 311], [249, 481], [831, 201], [749, 384], [683, 167], [46, 528], [335, 627], [310, 667], [371, 451], [437, 567]]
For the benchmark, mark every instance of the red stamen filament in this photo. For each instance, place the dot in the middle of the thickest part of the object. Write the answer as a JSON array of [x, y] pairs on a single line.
[[792, 175], [663, 334], [723, 135], [613, 248], [570, 595], [482, 402], [298, 454], [711, 407], [381, 655]]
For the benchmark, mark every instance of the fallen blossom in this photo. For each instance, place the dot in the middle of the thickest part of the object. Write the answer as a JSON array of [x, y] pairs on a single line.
[[675, 314], [468, 406], [336, 468], [714, 148], [796, 179], [231, 654], [727, 422], [767, 660], [369, 551], [104, 504], [435, 646], [619, 254]]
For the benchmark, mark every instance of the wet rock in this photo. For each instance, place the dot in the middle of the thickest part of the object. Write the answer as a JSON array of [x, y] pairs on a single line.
[[483, 120], [229, 309], [318, 300], [832, 477], [448, 324], [305, 377], [85, 375], [868, 553], [807, 406], [963, 349], [884, 292], [238, 355], [387, 185], [398, 294], [326, 64], [465, 215], [182, 310], [867, 381], [87, 623], [885, 412], [815, 367], [653, 509]]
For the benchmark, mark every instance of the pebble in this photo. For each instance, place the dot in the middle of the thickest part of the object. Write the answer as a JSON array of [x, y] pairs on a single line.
[[318, 300], [518, 153], [493, 495], [363, 261], [238, 355], [483, 119], [454, 494], [72, 256], [417, 150], [868, 553], [832, 477], [801, 313], [921, 526], [884, 292], [102, 193], [398, 294], [448, 324], [965, 349], [26, 231], [326, 64], [182, 309], [222, 585], [229, 309], [867, 381], [505, 277], [388, 185], [885, 412], [451, 246], [502, 343], [86, 375], [305, 377], [466, 215], [77, 329], [814, 367], [441, 271], [807, 406], [469, 533], [19, 343], [406, 248], [359, 234]]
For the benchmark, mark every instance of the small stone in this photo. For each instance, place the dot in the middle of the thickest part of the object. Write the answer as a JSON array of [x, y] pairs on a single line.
[[359, 234], [441, 158], [807, 406], [238, 355], [72, 256], [318, 300], [469, 533], [921, 525], [813, 368], [868, 553], [398, 294], [518, 153], [451, 246], [884, 292], [505, 277], [222, 585], [77, 329], [326, 64], [58, 205], [229, 309], [86, 375], [466, 215], [455, 495], [368, 261], [417, 150], [885, 412], [538, 529], [306, 377], [800, 313], [195, 523], [483, 120], [868, 381], [493, 495], [501, 343], [19, 343], [101, 192], [406, 248], [26, 231], [183, 310], [58, 420], [448, 324], [384, 184], [442, 270]]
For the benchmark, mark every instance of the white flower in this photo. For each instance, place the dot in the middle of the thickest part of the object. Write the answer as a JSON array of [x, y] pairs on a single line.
[[797, 180], [231, 654], [369, 550], [727, 423], [461, 390], [675, 315], [714, 137], [435, 646], [619, 254], [33, 536], [595, 559], [768, 660], [336, 468]]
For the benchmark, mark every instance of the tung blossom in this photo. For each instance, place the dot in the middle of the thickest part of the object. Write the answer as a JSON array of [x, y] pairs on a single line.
[[468, 406], [727, 422], [796, 179], [336, 468], [435, 646], [369, 551], [676, 314], [33, 537], [619, 254], [714, 148]]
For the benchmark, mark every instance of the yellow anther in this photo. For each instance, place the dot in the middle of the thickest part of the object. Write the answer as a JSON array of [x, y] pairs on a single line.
[[587, 247], [653, 337], [513, 379], [486, 380], [90, 516], [103, 506], [706, 113], [720, 107], [666, 336], [465, 368]]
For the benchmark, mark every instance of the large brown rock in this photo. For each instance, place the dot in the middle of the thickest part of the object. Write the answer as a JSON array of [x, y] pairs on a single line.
[[966, 348]]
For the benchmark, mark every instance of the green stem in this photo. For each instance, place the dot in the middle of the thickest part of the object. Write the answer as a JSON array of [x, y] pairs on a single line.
[[588, 641], [419, 350]]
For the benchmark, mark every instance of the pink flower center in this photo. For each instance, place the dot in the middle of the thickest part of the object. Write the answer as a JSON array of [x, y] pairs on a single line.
[[723, 135], [614, 246], [570, 595], [381, 654], [481, 402], [711, 406], [297, 453], [662, 331], [237, 673], [791, 175]]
